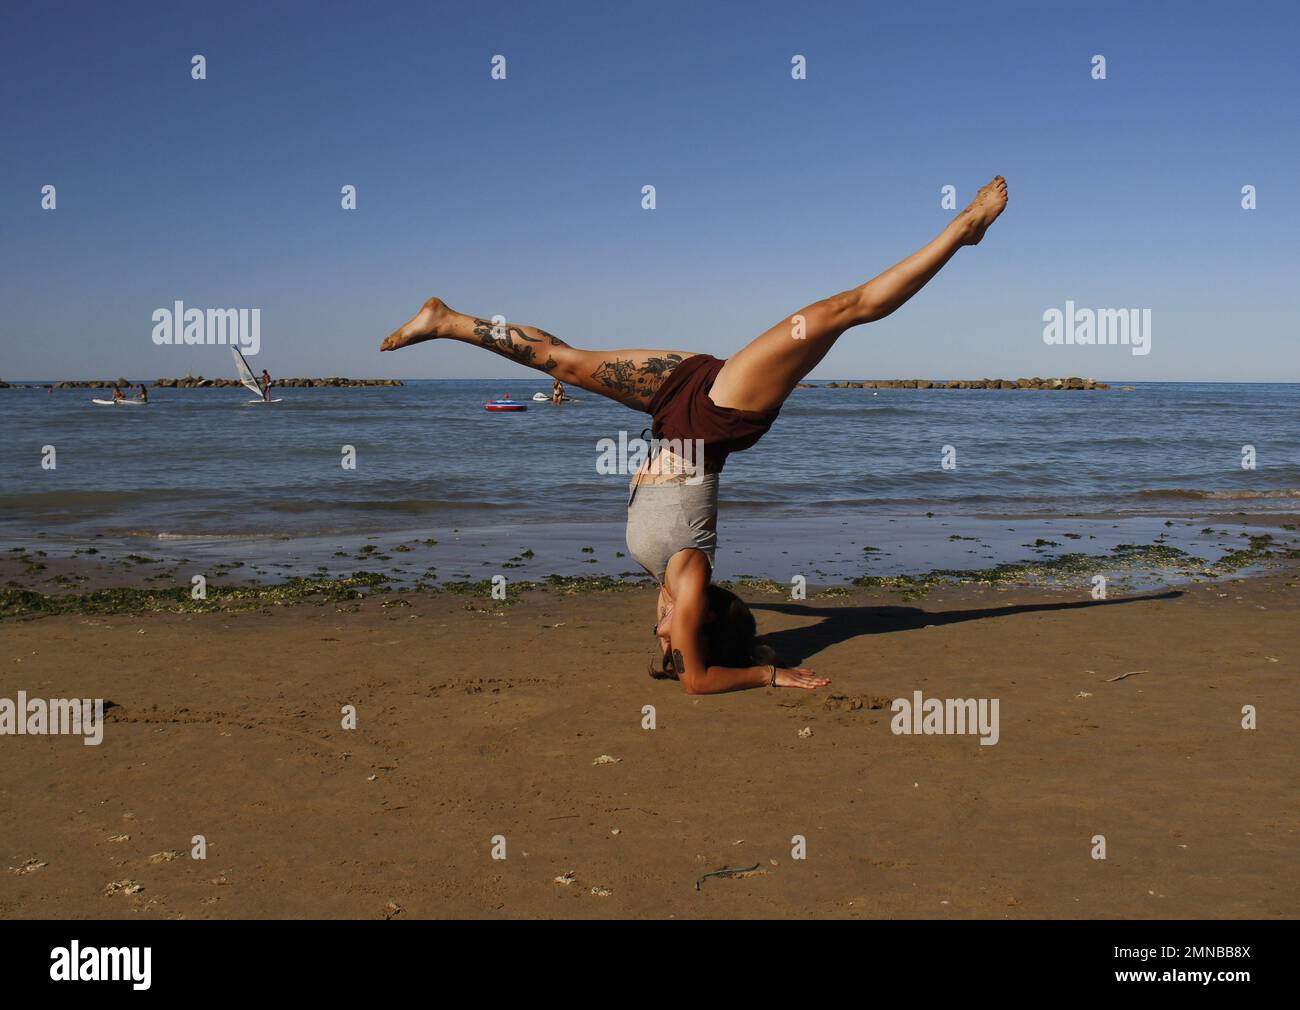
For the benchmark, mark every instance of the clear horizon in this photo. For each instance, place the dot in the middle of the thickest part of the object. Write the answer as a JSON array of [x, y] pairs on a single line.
[[523, 196]]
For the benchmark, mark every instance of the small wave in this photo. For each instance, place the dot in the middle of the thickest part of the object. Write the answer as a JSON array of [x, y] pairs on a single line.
[[88, 499], [1220, 495], [209, 536], [856, 410], [385, 505]]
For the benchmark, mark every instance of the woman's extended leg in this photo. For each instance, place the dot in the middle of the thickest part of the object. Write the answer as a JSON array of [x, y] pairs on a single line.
[[629, 376], [762, 374]]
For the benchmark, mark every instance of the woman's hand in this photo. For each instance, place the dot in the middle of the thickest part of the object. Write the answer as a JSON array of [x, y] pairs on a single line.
[[801, 677], [664, 629]]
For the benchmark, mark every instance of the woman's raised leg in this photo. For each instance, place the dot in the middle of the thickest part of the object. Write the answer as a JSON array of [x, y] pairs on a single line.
[[629, 376], [761, 375]]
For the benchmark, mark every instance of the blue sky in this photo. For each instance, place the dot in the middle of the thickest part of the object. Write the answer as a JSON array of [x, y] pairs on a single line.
[[523, 197]]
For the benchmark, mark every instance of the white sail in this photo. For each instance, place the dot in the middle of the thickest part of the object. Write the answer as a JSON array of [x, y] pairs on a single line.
[[245, 373]]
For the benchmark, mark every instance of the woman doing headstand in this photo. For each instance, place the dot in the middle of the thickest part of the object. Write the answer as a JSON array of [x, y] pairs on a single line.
[[708, 635]]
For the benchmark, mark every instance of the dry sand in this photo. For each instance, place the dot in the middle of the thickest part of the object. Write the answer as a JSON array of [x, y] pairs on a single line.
[[477, 721]]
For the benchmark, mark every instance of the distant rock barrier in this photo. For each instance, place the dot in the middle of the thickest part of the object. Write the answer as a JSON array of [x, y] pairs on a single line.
[[198, 382], [1070, 383]]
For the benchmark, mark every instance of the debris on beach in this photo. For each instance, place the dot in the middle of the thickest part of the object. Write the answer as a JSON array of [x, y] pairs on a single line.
[[1131, 673], [164, 857], [601, 892], [27, 866], [119, 838], [805, 733], [567, 877], [606, 759], [393, 909], [737, 871], [124, 886]]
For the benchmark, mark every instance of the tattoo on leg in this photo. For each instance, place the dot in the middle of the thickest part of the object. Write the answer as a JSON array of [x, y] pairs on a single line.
[[627, 378], [507, 345], [678, 665]]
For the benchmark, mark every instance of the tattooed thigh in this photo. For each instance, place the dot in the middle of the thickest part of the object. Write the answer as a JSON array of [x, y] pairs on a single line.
[[636, 379]]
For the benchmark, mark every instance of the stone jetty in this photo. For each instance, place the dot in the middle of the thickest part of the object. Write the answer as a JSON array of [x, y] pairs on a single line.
[[1070, 383], [197, 382]]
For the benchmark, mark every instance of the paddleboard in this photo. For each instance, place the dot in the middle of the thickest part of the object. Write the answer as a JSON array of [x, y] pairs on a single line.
[[544, 397], [121, 403], [278, 399]]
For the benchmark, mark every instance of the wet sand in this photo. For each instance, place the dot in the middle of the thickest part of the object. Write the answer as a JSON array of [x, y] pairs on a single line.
[[478, 720], [828, 551]]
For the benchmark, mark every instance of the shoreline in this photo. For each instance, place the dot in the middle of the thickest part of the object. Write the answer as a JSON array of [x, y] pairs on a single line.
[[911, 556]]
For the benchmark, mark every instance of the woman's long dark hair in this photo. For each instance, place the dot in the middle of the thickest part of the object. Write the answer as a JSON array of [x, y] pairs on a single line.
[[730, 635]]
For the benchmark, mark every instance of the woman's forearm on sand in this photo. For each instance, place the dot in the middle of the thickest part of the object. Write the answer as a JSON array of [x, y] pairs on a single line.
[[721, 679]]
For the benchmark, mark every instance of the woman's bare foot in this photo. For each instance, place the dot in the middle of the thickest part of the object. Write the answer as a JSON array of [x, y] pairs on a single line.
[[989, 202], [424, 326]]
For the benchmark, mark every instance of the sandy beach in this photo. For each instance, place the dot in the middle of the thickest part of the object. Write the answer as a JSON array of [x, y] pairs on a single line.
[[524, 721]]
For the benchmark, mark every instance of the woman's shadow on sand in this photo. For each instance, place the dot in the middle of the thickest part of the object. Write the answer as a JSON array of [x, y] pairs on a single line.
[[839, 624]]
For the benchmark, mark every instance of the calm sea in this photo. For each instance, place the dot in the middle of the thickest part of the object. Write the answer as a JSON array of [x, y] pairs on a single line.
[[427, 454], [429, 460]]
